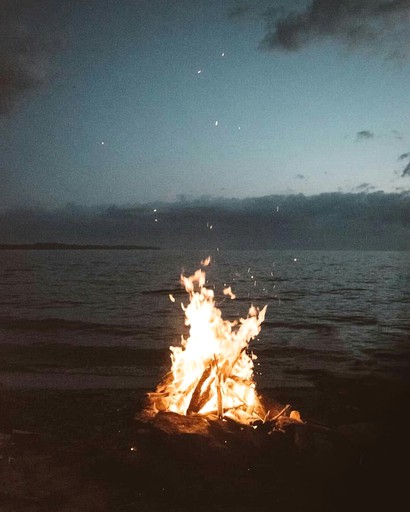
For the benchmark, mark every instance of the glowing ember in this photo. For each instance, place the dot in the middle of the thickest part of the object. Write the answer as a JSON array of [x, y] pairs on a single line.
[[212, 370]]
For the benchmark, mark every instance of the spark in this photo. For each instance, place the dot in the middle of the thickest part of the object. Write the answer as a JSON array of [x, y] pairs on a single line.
[[223, 54], [228, 291], [216, 123], [277, 208], [154, 210], [199, 71], [295, 259], [206, 261], [171, 297], [102, 143], [156, 220], [239, 127]]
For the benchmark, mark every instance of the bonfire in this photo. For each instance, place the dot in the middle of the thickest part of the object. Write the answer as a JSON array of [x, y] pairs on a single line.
[[212, 371]]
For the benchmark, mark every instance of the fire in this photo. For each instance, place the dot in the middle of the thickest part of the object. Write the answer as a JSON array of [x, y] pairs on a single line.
[[212, 370]]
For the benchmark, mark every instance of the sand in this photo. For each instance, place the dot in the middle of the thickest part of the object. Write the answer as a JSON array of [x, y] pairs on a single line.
[[83, 450]]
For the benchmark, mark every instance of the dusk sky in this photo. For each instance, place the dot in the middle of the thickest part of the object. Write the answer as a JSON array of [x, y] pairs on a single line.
[[127, 102]]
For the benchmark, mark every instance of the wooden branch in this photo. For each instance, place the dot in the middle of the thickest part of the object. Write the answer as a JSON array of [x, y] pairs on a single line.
[[218, 389], [206, 395], [282, 412], [197, 394], [239, 380]]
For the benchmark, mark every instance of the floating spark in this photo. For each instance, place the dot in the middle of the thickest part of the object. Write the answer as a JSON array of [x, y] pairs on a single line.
[[206, 261], [229, 293]]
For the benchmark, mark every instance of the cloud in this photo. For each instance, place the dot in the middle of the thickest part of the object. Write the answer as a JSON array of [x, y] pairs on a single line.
[[327, 221], [364, 135], [29, 38], [365, 187], [380, 26], [406, 171], [397, 135]]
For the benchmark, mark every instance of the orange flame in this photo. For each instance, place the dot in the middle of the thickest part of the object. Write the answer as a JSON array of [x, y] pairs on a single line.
[[212, 370]]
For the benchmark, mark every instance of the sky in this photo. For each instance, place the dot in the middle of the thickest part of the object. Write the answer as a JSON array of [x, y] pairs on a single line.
[[132, 102]]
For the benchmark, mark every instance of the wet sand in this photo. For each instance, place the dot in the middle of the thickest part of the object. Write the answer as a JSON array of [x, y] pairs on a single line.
[[83, 450]]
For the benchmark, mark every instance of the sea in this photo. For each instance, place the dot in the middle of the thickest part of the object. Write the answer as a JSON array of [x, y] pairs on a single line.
[[80, 319]]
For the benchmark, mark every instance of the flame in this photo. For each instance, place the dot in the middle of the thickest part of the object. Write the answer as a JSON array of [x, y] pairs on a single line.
[[212, 370], [228, 291]]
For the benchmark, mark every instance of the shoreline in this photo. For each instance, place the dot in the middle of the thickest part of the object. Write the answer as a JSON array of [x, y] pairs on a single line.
[[85, 450]]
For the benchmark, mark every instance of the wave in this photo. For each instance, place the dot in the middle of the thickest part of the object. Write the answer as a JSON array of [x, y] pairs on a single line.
[[299, 326], [44, 324], [53, 355], [164, 291]]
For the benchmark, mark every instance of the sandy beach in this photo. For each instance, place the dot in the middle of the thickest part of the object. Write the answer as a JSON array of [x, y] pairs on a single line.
[[84, 450]]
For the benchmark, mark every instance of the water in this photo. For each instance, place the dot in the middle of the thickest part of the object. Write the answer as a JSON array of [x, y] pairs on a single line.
[[104, 318]]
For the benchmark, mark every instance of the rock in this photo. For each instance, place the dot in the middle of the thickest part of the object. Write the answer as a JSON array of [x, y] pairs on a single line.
[[172, 423]]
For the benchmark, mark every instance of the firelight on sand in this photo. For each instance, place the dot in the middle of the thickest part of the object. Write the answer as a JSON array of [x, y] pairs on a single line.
[[212, 370]]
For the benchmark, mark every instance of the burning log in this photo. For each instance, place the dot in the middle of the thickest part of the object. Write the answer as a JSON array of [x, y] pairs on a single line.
[[197, 399]]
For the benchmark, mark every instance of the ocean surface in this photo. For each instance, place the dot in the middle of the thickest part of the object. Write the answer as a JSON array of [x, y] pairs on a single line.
[[104, 319]]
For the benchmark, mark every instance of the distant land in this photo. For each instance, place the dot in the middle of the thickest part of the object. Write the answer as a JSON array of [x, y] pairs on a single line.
[[73, 247], [333, 221]]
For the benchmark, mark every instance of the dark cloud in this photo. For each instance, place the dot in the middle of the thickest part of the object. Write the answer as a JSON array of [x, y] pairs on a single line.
[[364, 135], [406, 171], [365, 187], [377, 25], [29, 37], [327, 221]]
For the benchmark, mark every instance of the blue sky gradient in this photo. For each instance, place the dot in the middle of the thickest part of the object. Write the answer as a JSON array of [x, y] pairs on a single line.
[[117, 112]]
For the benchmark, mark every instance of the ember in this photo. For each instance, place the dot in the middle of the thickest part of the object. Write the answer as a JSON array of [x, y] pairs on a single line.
[[212, 370]]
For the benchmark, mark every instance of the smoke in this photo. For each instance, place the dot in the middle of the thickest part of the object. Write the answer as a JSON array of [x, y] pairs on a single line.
[[380, 26]]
